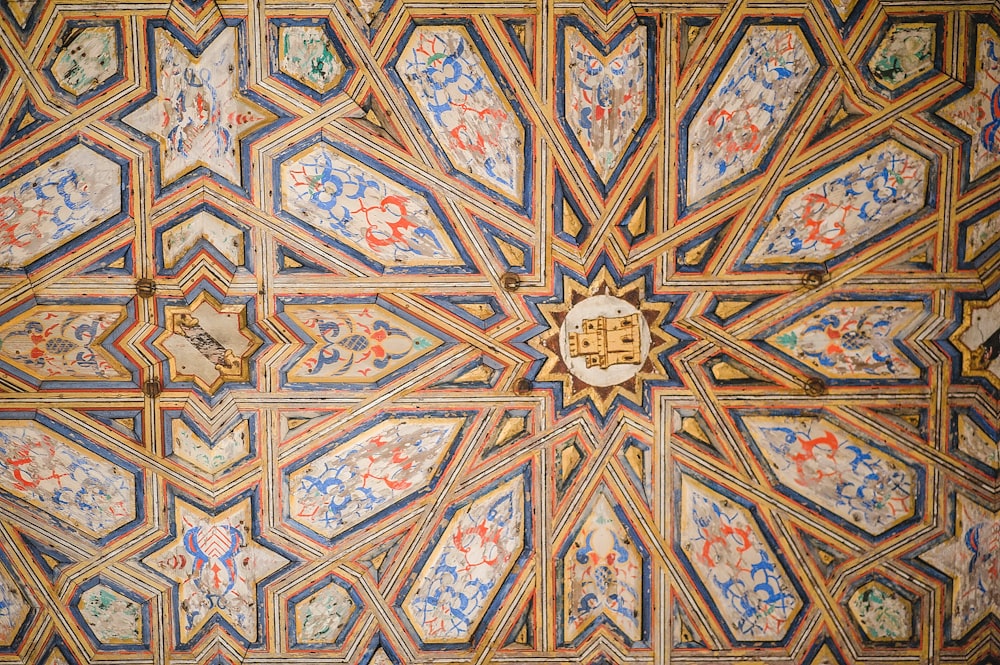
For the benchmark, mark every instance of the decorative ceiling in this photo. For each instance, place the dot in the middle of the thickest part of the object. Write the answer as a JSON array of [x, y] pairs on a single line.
[[383, 331]]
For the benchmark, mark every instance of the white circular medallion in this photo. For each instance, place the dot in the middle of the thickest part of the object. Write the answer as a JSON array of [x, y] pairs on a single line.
[[604, 340]]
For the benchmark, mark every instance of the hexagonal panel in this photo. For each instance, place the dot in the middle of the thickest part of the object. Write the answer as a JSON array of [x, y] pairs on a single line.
[[376, 215], [733, 126], [836, 211], [55, 200], [851, 480]]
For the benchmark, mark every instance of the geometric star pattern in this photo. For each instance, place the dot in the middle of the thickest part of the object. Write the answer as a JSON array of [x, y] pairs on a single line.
[[593, 332]]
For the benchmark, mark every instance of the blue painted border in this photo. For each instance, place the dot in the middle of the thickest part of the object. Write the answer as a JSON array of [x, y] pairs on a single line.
[[108, 416], [755, 303], [56, 644], [13, 133], [242, 189], [524, 206], [989, 430], [712, 78], [919, 484], [31, 21], [647, 195], [763, 223], [447, 341], [964, 139], [752, 511], [846, 26], [172, 494], [291, 604], [646, 590], [987, 253], [144, 612], [818, 645], [947, 603], [29, 600], [525, 470], [275, 58], [561, 196], [379, 641], [308, 266], [320, 450], [171, 415], [713, 235], [109, 345], [451, 303], [108, 456], [639, 483], [508, 26], [111, 81], [38, 550], [102, 265], [396, 177], [448, 382], [202, 245], [648, 22], [956, 320], [492, 233], [905, 87], [40, 162], [759, 339]]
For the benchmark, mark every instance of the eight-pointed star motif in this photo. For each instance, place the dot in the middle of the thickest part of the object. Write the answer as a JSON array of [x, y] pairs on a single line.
[[969, 558], [198, 114]]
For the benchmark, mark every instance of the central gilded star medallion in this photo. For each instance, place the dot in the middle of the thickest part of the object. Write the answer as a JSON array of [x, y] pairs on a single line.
[[605, 340]]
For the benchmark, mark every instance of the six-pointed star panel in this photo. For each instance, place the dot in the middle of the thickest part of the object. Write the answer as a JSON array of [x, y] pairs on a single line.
[[562, 332]]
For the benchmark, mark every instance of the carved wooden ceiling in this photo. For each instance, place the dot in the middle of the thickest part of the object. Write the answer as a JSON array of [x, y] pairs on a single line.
[[383, 331]]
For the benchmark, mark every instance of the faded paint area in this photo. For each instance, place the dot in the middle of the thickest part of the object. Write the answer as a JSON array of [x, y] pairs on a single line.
[[308, 56], [845, 207], [63, 479], [198, 116], [56, 202], [90, 59], [467, 563], [977, 113], [906, 52], [605, 96], [370, 213], [471, 120], [853, 340], [748, 107], [352, 482]]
